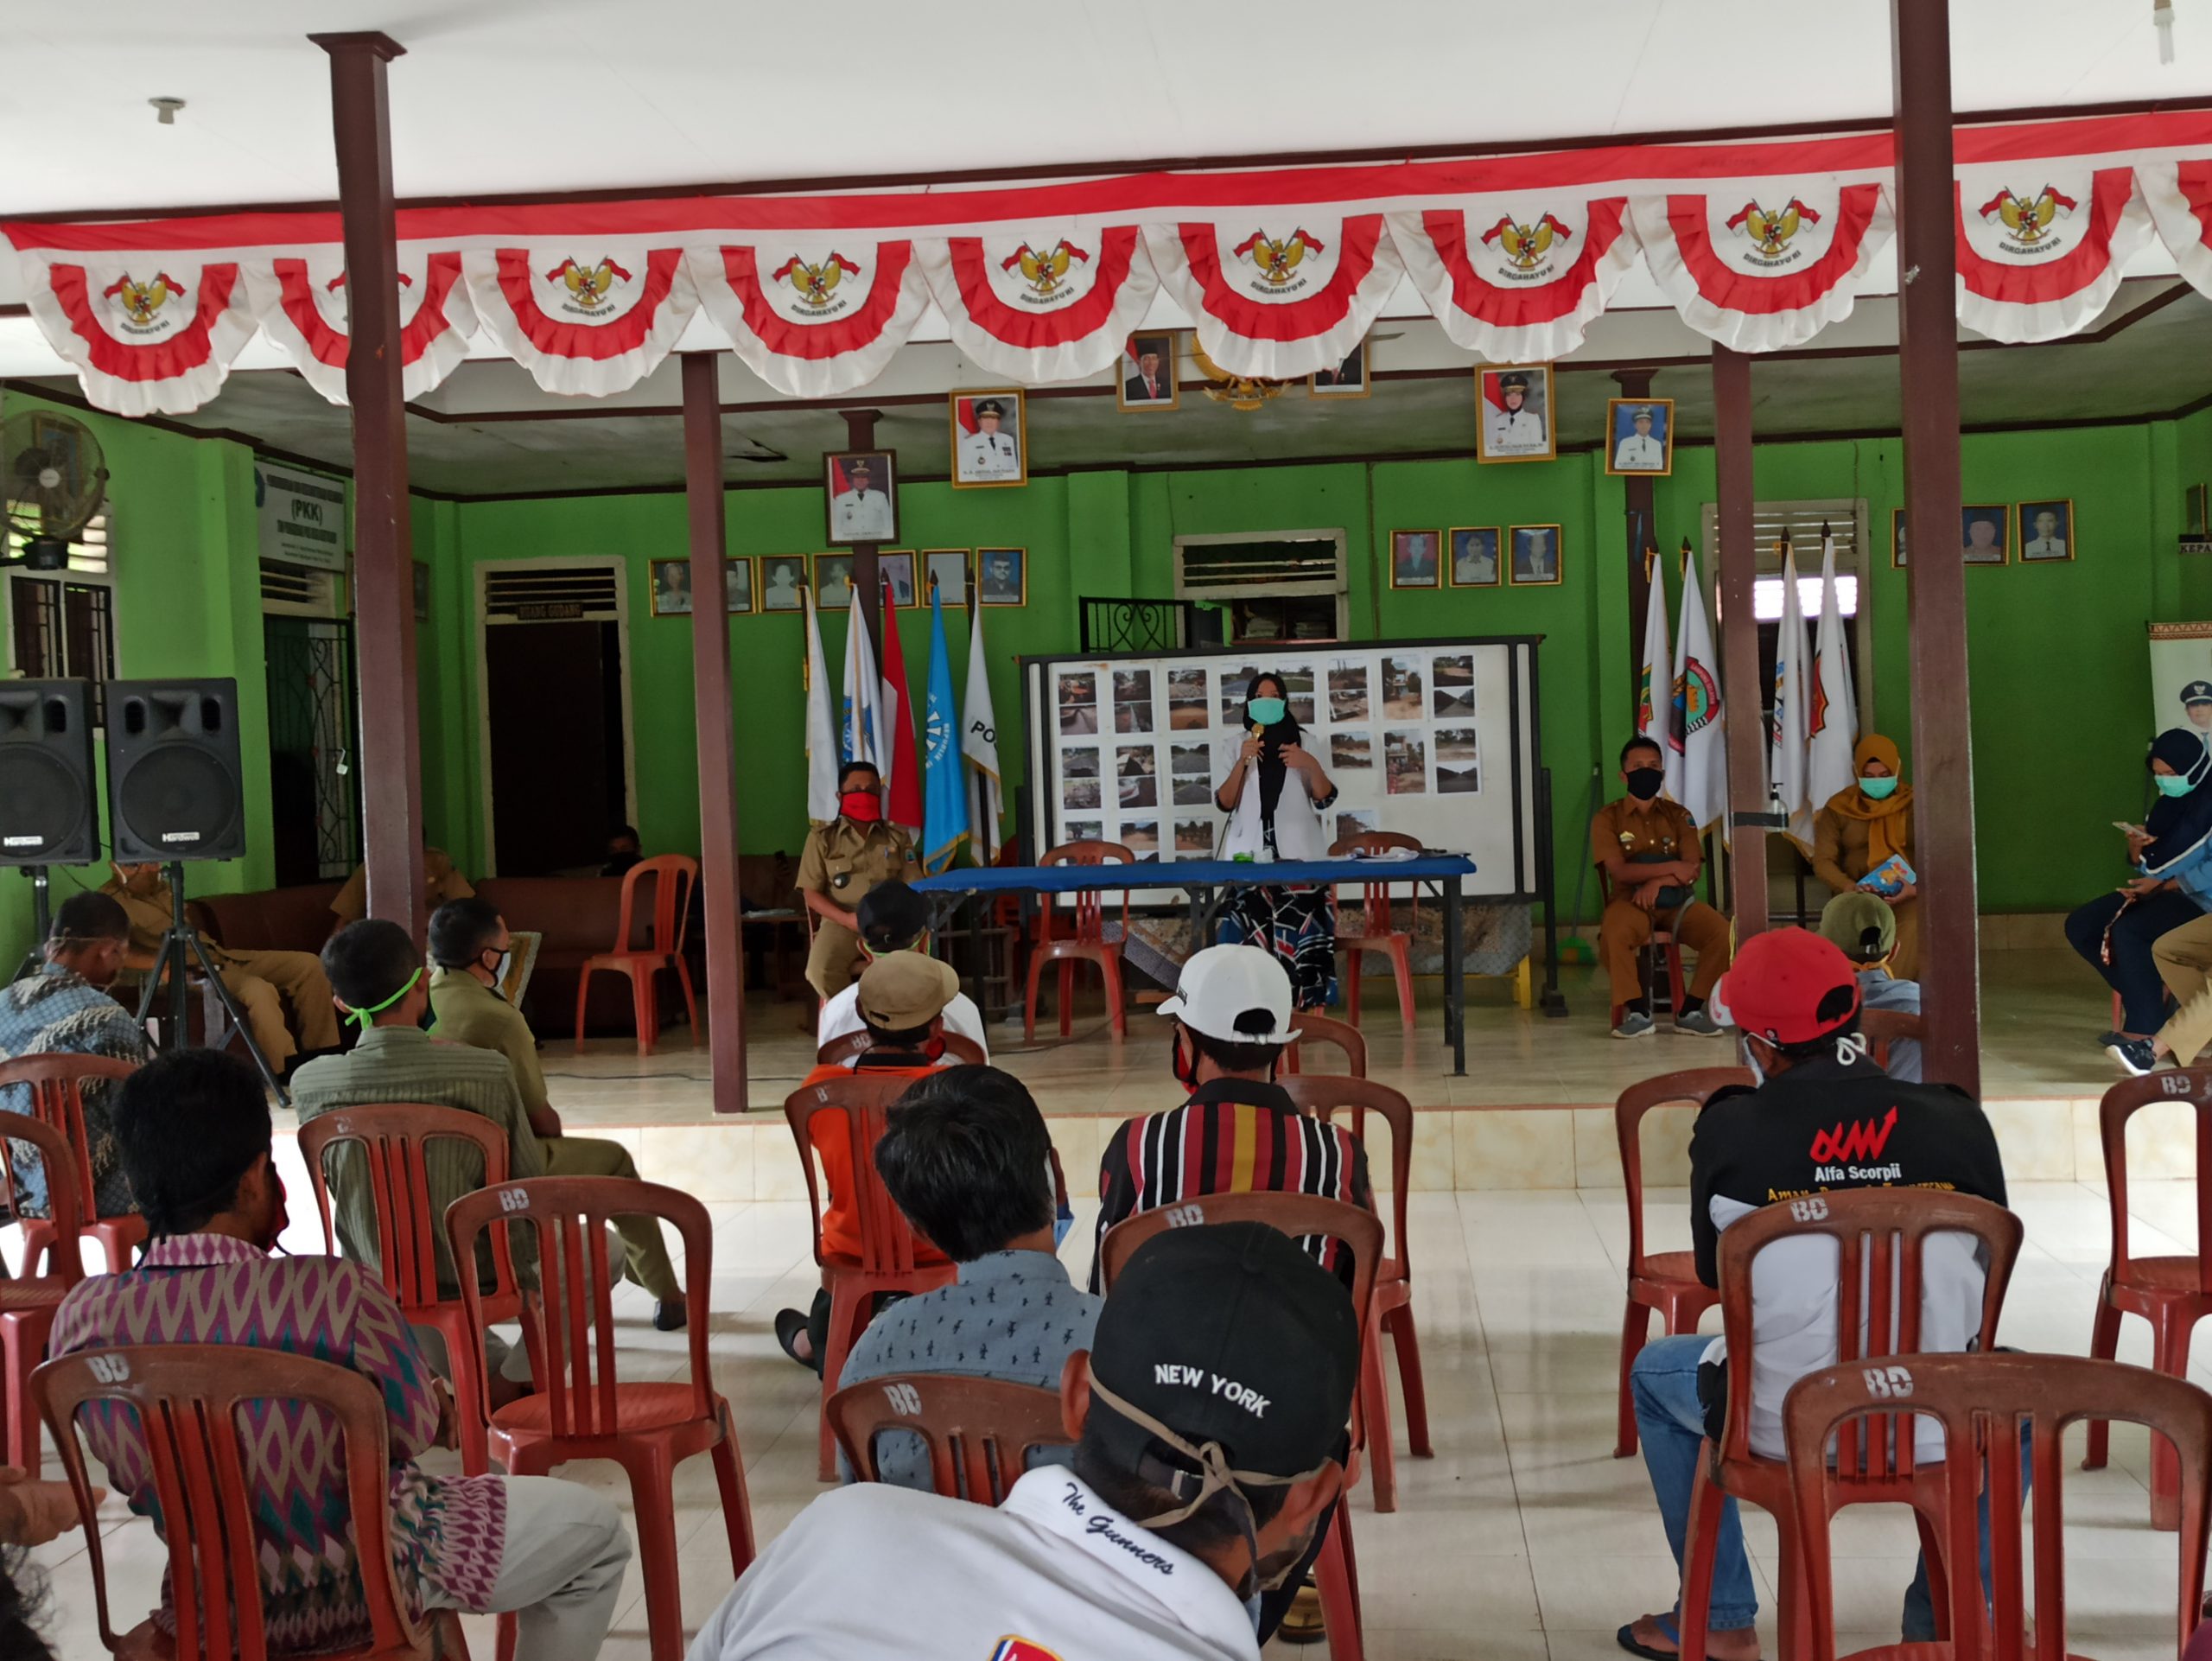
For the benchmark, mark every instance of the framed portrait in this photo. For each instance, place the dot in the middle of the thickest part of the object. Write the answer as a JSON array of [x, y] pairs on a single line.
[[737, 586], [1986, 532], [782, 582], [1535, 555], [422, 591], [1897, 538], [895, 570], [862, 489], [947, 569], [1640, 435], [2046, 531], [1513, 413], [832, 582], [990, 439], [1413, 559], [1002, 576], [1347, 379], [1474, 556], [1145, 377], [672, 588]]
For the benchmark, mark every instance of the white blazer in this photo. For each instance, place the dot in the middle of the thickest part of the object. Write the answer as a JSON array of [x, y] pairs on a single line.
[[1298, 823]]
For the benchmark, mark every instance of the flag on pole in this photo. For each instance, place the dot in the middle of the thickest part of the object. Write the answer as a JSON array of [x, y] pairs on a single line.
[[1655, 707], [1696, 738], [1832, 713], [861, 740], [902, 776], [821, 757], [979, 744], [1788, 766], [945, 810]]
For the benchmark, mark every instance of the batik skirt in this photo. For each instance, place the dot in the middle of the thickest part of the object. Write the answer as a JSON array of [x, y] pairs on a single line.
[[1299, 926]]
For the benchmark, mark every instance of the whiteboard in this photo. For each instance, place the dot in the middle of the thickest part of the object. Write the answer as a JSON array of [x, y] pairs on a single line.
[[1435, 739]]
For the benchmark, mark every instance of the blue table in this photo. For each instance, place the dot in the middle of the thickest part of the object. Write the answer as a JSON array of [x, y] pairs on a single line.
[[1207, 882]]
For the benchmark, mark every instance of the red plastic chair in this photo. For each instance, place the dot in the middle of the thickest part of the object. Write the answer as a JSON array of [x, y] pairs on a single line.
[[28, 1302], [581, 1410], [890, 1252], [1324, 1029], [844, 1048], [2172, 1293], [57, 1098], [1662, 941], [1882, 1028], [1664, 1280], [1374, 909], [674, 875], [1326, 1096], [185, 1400], [1336, 1571], [392, 1138], [980, 1432], [1984, 1403], [1088, 944], [1880, 1235]]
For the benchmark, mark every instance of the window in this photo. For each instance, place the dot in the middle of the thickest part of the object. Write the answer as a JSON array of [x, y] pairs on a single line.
[[1286, 586], [61, 625], [1803, 522]]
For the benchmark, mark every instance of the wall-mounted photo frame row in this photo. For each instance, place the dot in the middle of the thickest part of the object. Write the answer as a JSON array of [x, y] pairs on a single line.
[[1467, 556], [772, 582], [1144, 383], [1991, 533]]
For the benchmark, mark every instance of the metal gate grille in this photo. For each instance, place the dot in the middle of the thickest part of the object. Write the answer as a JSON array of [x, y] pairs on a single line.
[[312, 738]]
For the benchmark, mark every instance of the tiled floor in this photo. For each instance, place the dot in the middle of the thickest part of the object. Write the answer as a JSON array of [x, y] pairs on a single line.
[[1522, 1539]]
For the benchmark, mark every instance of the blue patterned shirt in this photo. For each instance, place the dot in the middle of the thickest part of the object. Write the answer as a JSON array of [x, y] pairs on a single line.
[[1012, 1315], [52, 1011]]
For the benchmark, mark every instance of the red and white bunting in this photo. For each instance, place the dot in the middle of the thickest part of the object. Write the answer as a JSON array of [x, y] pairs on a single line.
[[2041, 247], [583, 317], [301, 304], [1517, 278], [813, 316], [1278, 293], [1055, 303], [148, 334], [2179, 197], [1767, 263]]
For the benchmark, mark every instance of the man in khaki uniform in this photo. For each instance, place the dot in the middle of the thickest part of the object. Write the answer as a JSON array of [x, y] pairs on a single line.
[[440, 882], [264, 983], [1650, 849], [843, 860]]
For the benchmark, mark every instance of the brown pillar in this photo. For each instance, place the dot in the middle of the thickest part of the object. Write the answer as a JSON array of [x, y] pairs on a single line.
[[859, 435], [1928, 356], [710, 698], [1639, 533], [384, 583], [1739, 636]]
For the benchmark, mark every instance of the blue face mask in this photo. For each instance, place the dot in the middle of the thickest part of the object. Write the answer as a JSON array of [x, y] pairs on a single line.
[[2173, 784], [1268, 711], [1878, 788]]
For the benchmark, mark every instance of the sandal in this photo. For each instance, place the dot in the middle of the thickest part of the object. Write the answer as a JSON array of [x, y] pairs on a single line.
[[789, 1323], [1627, 1639]]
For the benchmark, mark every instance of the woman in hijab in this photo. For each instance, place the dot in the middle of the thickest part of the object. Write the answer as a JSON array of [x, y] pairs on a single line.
[[1275, 796], [1861, 828], [2172, 852]]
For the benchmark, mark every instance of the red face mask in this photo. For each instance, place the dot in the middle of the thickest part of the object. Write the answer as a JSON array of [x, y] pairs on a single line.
[[862, 806], [1184, 1061]]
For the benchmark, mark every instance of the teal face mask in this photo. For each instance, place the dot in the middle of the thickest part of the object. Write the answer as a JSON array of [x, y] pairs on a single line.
[[1268, 711], [2172, 784], [1878, 788]]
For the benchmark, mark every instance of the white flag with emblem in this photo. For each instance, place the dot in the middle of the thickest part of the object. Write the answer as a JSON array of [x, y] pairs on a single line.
[[1696, 739], [821, 726], [1655, 703], [1832, 717], [863, 735], [979, 743], [1786, 734]]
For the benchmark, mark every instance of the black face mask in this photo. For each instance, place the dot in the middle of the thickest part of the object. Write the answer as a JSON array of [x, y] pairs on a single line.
[[1644, 783]]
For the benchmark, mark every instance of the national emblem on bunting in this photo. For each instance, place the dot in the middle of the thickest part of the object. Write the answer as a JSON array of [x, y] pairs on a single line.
[[1517, 278], [813, 316], [583, 316], [1052, 302], [2179, 197], [302, 307], [1278, 293], [147, 333], [2041, 248], [1763, 263]]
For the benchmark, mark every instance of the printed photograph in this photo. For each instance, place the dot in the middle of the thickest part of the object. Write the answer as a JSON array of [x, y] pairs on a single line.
[[1078, 703], [1474, 556], [1141, 838], [832, 582], [672, 588], [948, 570], [1535, 553], [1348, 693], [897, 572], [1347, 379], [1986, 529], [1642, 436], [1079, 762], [1401, 688], [1186, 700], [1133, 700], [1413, 559], [1352, 752], [1357, 822], [863, 502], [1459, 761], [1194, 836], [2046, 531], [1405, 761], [1137, 790], [1231, 685], [1513, 409], [1190, 773], [1452, 684], [989, 445], [1146, 377], [1002, 576], [1298, 693], [1081, 794], [1082, 830]]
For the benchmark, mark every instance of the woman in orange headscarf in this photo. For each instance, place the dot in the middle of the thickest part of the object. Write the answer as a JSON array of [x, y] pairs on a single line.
[[1862, 827]]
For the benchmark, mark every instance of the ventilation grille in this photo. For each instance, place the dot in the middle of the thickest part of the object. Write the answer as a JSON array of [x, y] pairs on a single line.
[[529, 595], [1844, 518], [296, 589], [1208, 566], [88, 549]]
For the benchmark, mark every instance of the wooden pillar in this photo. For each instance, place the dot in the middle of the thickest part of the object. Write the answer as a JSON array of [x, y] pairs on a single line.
[[711, 713], [868, 581], [1928, 357], [1639, 532], [1739, 636], [383, 580]]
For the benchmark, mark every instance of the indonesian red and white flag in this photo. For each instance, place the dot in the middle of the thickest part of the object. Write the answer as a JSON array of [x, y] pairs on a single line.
[[1048, 303], [1279, 293], [1832, 718], [147, 334], [813, 315], [302, 306], [1697, 738], [1517, 277], [902, 771], [1764, 263], [582, 317]]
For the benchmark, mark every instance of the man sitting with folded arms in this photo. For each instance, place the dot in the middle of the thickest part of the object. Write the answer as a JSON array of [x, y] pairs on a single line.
[[902, 998], [193, 1130], [1797, 998], [966, 1156], [894, 917], [1209, 1419]]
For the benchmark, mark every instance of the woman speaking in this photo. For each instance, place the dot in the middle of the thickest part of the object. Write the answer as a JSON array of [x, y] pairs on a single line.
[[1275, 796]]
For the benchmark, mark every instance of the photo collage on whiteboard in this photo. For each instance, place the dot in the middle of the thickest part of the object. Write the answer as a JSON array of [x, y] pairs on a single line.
[[1142, 748]]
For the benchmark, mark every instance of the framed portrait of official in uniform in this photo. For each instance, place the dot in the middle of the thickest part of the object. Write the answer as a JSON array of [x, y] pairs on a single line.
[[1002, 576], [1640, 437], [1535, 555], [1474, 563], [782, 582], [948, 572], [861, 489], [990, 439], [1513, 413], [672, 588], [1347, 379], [1145, 376], [2046, 531], [1414, 559]]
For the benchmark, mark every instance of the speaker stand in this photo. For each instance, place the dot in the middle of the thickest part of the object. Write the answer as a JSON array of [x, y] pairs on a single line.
[[41, 918], [172, 961]]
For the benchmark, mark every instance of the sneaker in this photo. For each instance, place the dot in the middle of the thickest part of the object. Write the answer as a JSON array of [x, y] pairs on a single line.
[[2135, 1054], [1635, 1024], [1697, 1024], [2105, 1039]]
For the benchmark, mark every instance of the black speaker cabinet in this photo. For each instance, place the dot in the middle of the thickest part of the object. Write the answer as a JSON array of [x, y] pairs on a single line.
[[48, 799], [173, 786]]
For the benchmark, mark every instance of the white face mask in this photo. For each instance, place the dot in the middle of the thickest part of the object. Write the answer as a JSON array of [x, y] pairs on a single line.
[[1752, 1061]]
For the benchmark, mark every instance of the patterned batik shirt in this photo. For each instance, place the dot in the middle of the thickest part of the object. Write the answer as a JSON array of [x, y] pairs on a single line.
[[447, 1532], [55, 1012]]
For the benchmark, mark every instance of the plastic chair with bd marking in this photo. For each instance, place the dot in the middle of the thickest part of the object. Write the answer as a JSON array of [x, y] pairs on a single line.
[[1088, 944], [1882, 1028], [55, 1083], [1376, 932], [980, 1432], [673, 876], [28, 1302], [1317, 1029]]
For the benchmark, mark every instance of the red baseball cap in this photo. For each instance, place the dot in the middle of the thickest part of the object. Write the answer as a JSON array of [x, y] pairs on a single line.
[[1790, 986]]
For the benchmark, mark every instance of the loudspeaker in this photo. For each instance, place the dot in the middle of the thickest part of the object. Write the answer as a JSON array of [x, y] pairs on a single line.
[[172, 784], [49, 798]]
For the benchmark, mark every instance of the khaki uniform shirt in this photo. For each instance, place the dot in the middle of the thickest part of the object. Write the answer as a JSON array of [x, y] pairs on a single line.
[[440, 882], [1667, 830], [469, 1012], [150, 915], [843, 861]]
